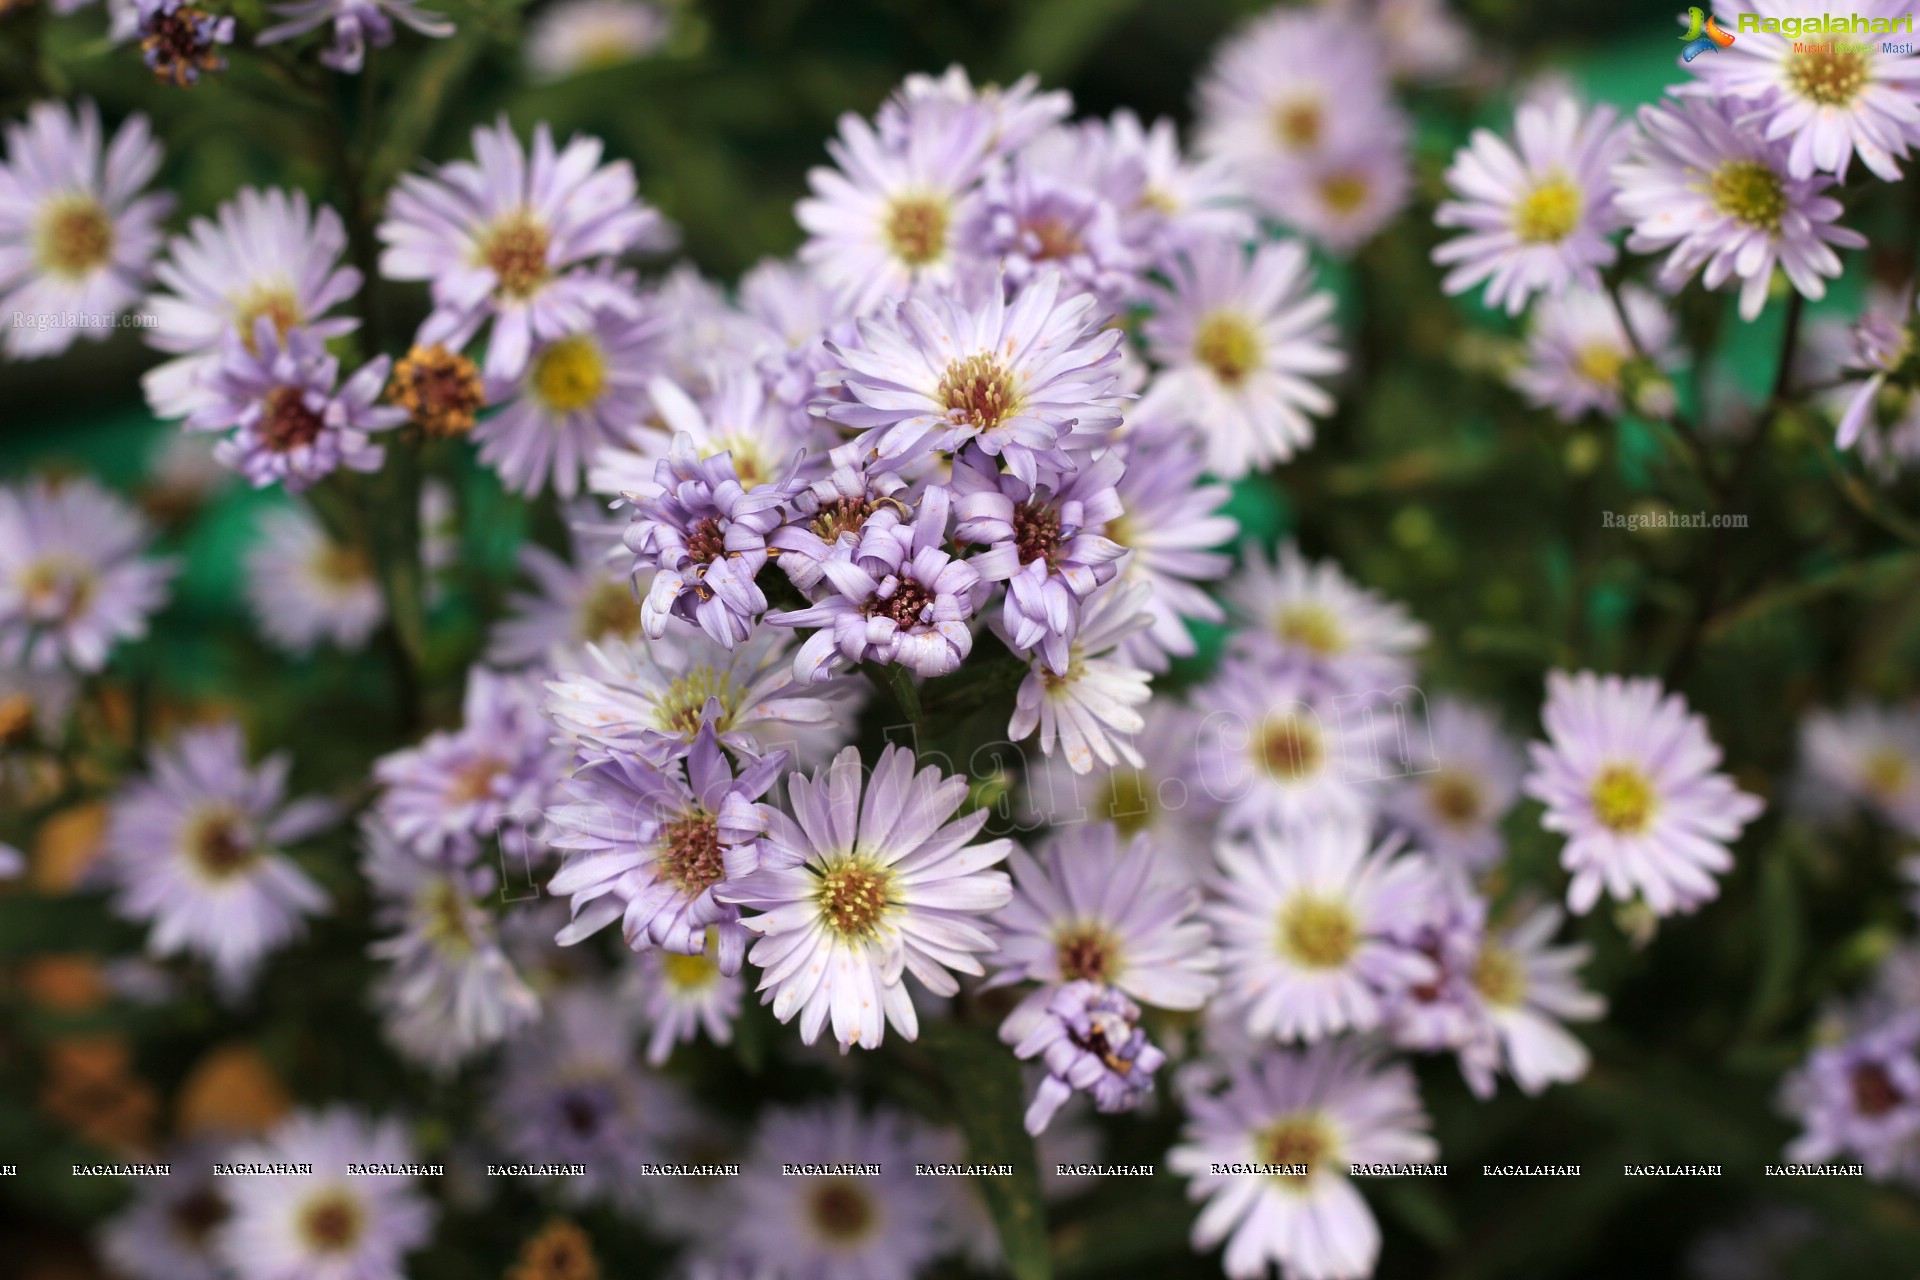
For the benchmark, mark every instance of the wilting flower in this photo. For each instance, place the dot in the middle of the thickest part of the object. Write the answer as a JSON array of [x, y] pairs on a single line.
[[1239, 339], [180, 40], [706, 536], [1703, 181], [881, 1226], [1307, 1116], [1628, 775], [76, 234], [1019, 380], [496, 238], [1089, 1038], [271, 255], [586, 35], [1585, 355], [899, 597], [295, 1226], [651, 700], [851, 896], [1308, 617], [1860, 1098], [1309, 925], [450, 990], [306, 589], [1834, 101], [1464, 778], [292, 420], [441, 390], [195, 848], [651, 846], [356, 24], [445, 796], [1537, 214], [1092, 909], [73, 581]]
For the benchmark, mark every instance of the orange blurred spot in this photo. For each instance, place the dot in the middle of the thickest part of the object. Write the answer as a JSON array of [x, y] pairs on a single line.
[[66, 844], [89, 1085], [67, 983], [231, 1090]]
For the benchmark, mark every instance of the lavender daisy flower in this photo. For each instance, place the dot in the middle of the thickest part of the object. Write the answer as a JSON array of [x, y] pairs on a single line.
[[1237, 338], [1308, 1116], [1031, 218], [1628, 776], [1178, 201], [571, 605], [898, 598], [573, 1092], [829, 518], [1019, 380], [1016, 113], [76, 234], [650, 846], [292, 420], [73, 582], [1528, 988], [1454, 811], [884, 1225], [1832, 102], [852, 896], [882, 222], [442, 798], [707, 538], [1275, 753], [1170, 522], [356, 24], [1445, 1013], [1308, 617], [738, 417], [166, 1231], [449, 990], [1044, 541], [305, 589], [1095, 911], [1090, 1039], [1309, 925], [1882, 342], [297, 1226], [269, 254], [1860, 1098], [1585, 355], [1705, 182], [586, 35], [179, 41], [194, 849], [681, 996], [496, 237], [1090, 707], [651, 700], [1342, 199], [583, 383], [1538, 213], [1865, 755]]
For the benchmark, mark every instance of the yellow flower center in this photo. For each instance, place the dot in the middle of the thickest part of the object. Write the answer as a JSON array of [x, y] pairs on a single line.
[[1298, 123], [1499, 976], [916, 229], [1312, 627], [448, 925], [1290, 748], [57, 588], [853, 897], [677, 711], [16, 717], [1318, 933], [515, 250], [691, 973], [275, 302], [570, 375], [1884, 773], [1126, 799], [340, 566], [1302, 1139], [1548, 213], [610, 609], [75, 236], [978, 392], [1750, 191], [1624, 799], [1600, 363], [331, 1223], [1830, 77], [1228, 345], [1344, 193]]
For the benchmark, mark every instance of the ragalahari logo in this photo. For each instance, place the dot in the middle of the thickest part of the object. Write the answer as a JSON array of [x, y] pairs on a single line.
[[1703, 33]]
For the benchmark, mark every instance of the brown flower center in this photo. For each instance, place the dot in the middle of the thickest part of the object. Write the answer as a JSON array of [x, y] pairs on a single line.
[[516, 253], [1455, 798], [691, 852], [287, 423], [1126, 799], [978, 392], [842, 1211], [195, 1216], [1036, 531], [559, 1251], [440, 390], [1298, 123], [16, 717], [1499, 976], [331, 1223], [917, 229], [221, 846], [1087, 951], [1290, 748], [907, 606], [853, 896], [276, 303], [1300, 1141], [1055, 239], [706, 541], [1874, 1092], [610, 609]]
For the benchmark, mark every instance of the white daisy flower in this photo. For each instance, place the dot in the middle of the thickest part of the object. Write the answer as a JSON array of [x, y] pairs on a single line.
[[1308, 616], [1091, 711], [305, 589]]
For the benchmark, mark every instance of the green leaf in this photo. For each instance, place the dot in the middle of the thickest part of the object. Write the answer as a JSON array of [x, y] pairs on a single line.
[[1782, 939], [31, 925], [1054, 36], [991, 1102]]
